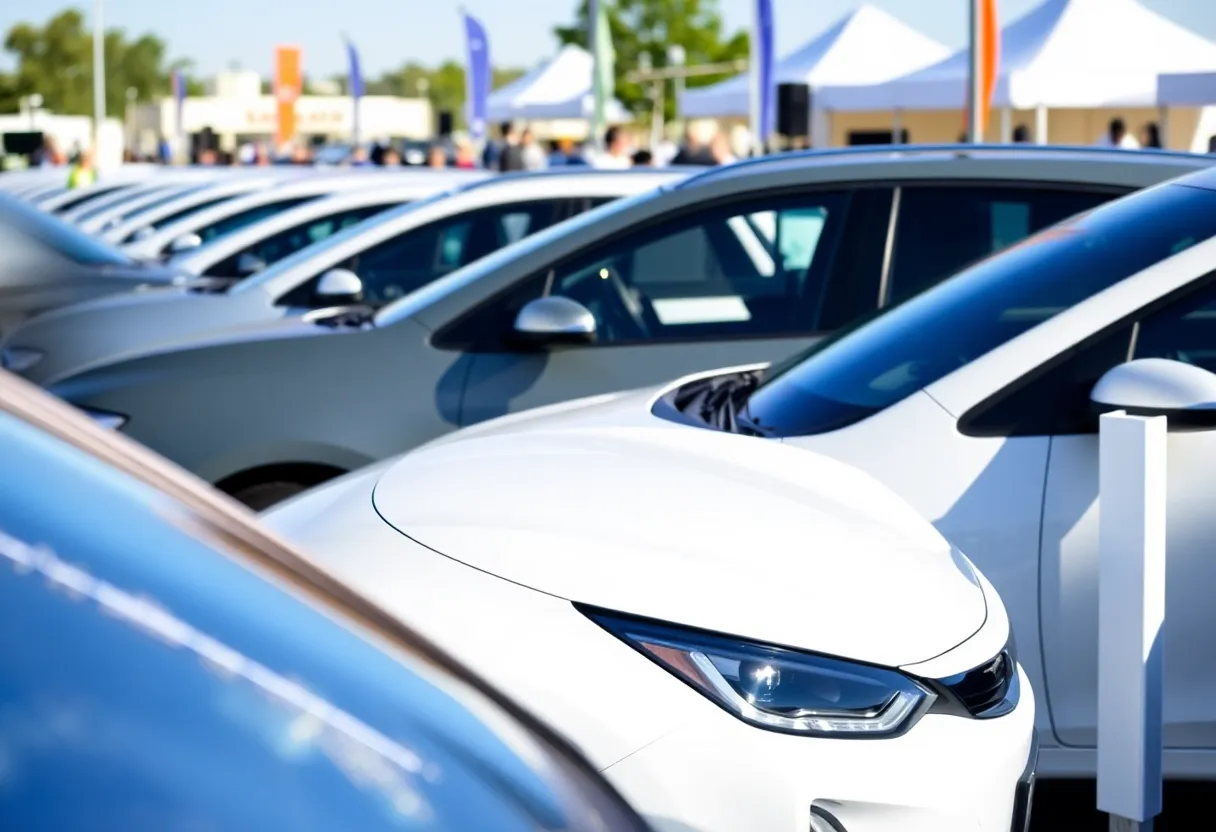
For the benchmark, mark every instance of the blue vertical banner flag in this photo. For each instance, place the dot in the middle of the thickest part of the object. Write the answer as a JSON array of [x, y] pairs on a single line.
[[477, 76], [179, 101], [763, 89], [354, 86]]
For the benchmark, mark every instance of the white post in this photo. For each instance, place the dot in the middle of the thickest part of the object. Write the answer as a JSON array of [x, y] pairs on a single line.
[[1163, 125], [1006, 125], [897, 127], [753, 78], [975, 96], [1040, 124], [99, 76], [1131, 615]]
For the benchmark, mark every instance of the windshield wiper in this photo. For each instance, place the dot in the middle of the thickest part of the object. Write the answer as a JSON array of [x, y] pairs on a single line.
[[721, 402]]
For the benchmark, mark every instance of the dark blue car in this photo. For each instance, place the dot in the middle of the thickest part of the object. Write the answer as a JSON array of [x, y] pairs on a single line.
[[167, 666]]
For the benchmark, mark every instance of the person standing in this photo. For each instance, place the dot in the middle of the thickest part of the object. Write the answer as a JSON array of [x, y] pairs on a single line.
[[695, 150], [512, 156], [1117, 136], [533, 154], [1150, 136], [436, 156], [616, 155], [82, 173], [465, 160]]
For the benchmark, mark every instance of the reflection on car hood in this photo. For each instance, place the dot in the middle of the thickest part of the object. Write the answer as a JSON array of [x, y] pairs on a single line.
[[707, 529], [103, 330]]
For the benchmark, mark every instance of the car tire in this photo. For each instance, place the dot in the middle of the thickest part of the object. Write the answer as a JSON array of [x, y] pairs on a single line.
[[265, 494]]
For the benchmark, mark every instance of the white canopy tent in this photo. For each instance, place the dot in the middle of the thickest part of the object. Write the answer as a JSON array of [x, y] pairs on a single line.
[[1187, 89], [1061, 54], [865, 47], [559, 89]]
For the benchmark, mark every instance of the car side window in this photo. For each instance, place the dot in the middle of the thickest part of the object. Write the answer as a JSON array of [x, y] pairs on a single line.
[[1056, 401], [277, 246], [247, 217], [746, 270], [409, 261], [1183, 331], [942, 229]]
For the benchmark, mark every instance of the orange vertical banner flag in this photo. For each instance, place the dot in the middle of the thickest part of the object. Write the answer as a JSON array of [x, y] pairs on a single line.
[[990, 55], [288, 86]]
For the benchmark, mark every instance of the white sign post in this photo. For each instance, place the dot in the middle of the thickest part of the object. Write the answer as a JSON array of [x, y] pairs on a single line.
[[1131, 615]]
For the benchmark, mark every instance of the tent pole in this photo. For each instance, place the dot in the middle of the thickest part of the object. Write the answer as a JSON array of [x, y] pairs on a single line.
[[1040, 124], [1163, 126], [974, 93], [897, 128], [1006, 125]]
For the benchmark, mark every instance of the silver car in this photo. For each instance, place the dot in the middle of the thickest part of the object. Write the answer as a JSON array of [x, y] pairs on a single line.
[[741, 264], [375, 262]]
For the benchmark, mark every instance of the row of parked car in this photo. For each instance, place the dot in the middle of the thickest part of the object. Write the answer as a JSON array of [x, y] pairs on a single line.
[[485, 410]]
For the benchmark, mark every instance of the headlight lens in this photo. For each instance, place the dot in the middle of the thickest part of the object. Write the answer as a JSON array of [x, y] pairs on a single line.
[[113, 421], [19, 359], [776, 688]]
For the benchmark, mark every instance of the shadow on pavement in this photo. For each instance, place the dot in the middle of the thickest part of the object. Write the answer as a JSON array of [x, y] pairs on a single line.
[[1068, 806]]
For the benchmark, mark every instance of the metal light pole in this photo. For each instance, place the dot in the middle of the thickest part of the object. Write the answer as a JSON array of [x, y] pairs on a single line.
[[99, 74], [675, 58], [975, 87]]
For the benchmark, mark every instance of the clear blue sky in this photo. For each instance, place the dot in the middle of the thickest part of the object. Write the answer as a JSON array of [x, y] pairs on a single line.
[[216, 33]]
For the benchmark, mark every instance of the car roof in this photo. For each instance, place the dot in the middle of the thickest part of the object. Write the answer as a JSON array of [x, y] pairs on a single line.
[[1010, 155], [204, 668]]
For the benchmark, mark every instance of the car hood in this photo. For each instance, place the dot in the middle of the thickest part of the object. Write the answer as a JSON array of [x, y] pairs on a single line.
[[700, 528], [109, 328]]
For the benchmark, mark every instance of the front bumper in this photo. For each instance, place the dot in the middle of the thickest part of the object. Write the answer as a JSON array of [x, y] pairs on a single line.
[[948, 774]]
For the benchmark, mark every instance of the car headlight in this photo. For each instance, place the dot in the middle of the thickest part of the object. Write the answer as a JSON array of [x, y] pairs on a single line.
[[113, 421], [776, 688], [19, 359]]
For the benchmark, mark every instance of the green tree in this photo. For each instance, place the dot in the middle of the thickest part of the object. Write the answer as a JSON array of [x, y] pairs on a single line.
[[651, 26], [56, 61]]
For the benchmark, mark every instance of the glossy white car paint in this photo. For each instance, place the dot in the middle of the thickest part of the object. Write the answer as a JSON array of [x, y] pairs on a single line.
[[1025, 510], [322, 184], [483, 540], [393, 189]]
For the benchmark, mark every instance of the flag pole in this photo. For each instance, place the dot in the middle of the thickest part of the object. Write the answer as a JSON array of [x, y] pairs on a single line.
[[99, 76]]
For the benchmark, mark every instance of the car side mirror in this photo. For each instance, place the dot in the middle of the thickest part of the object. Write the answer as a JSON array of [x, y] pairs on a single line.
[[249, 263], [339, 287], [1183, 393], [182, 244], [555, 320]]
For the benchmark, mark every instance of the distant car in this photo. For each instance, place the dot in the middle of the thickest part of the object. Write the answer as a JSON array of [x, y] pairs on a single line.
[[739, 264], [149, 219], [46, 263], [374, 262], [94, 214], [210, 224], [166, 664], [973, 401], [742, 636]]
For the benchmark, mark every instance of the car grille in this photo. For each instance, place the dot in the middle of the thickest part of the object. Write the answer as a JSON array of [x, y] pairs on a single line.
[[984, 690]]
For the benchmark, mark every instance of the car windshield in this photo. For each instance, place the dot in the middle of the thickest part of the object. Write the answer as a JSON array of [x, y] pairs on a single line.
[[421, 298], [61, 237], [319, 248], [112, 202], [872, 365]]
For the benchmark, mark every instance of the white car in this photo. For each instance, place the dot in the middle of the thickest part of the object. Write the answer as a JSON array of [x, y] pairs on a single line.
[[226, 185], [739, 635], [971, 401], [242, 212], [94, 214]]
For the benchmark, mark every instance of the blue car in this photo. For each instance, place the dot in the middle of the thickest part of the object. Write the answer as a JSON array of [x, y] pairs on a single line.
[[167, 665]]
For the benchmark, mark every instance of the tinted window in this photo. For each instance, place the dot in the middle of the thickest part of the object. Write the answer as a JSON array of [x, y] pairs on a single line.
[[1184, 331], [169, 219], [944, 229], [413, 259], [248, 217], [857, 372], [121, 198], [164, 199], [277, 246], [755, 269], [53, 233]]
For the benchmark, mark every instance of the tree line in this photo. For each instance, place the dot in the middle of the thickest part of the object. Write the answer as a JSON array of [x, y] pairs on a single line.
[[55, 60]]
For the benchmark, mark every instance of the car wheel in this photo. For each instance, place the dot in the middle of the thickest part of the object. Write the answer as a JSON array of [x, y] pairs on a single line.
[[266, 494]]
